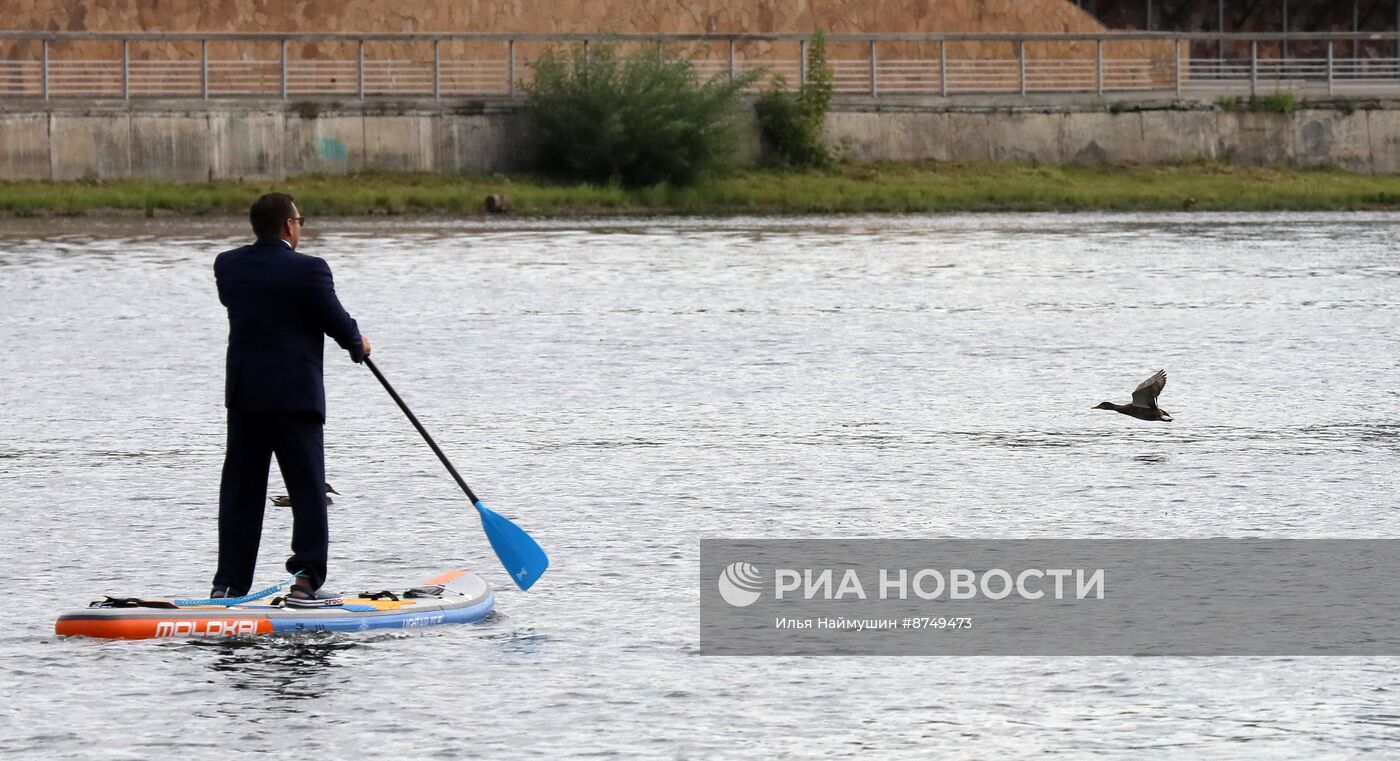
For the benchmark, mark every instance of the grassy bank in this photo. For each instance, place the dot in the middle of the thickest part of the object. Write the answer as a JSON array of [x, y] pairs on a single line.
[[885, 187]]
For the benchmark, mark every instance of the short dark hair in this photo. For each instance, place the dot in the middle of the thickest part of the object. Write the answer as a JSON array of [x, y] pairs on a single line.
[[269, 212]]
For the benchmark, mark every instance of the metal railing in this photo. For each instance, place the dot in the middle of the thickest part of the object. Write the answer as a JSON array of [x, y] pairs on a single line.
[[41, 64]]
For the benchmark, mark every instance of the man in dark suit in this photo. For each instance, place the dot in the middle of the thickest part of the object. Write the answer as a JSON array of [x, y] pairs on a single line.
[[280, 305]]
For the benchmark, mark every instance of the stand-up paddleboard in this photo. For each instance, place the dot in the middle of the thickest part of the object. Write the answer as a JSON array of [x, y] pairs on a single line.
[[456, 597]]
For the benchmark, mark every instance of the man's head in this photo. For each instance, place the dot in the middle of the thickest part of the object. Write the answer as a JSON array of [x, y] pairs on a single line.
[[275, 215]]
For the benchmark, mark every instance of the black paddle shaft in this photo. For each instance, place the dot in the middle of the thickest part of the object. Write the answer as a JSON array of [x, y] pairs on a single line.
[[436, 450]]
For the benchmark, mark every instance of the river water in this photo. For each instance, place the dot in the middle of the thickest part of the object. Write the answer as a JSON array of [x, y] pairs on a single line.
[[622, 388]]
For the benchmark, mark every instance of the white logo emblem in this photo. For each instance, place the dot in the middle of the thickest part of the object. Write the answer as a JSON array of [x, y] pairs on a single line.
[[740, 585], [214, 628]]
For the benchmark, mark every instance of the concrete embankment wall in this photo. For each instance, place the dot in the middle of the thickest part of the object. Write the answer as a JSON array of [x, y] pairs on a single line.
[[180, 140], [1323, 134], [200, 141]]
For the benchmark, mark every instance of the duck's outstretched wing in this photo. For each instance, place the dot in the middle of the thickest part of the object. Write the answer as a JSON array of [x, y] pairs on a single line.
[[1145, 395]]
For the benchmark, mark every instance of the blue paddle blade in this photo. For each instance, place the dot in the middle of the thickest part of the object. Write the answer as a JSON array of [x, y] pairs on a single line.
[[523, 558]]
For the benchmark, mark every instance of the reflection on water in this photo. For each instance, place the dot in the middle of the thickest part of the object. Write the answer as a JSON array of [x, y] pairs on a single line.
[[519, 641], [622, 388], [286, 669]]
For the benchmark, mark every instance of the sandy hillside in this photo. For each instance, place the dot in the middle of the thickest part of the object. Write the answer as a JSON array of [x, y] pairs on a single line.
[[540, 16]]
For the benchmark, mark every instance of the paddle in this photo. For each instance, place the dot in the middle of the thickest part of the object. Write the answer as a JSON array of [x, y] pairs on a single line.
[[523, 558]]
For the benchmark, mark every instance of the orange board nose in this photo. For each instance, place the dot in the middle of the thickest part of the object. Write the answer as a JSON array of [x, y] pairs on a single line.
[[446, 577]]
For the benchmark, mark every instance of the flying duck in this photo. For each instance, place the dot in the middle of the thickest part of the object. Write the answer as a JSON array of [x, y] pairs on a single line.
[[1144, 403], [285, 501]]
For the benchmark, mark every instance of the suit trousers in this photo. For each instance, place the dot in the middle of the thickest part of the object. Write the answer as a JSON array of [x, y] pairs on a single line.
[[296, 438]]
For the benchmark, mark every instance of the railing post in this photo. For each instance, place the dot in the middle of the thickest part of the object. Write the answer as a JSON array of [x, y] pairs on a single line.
[[1356, 30], [1021, 64], [44, 73], [283, 61], [731, 58], [360, 68], [204, 69], [1176, 49], [874, 66], [510, 66], [126, 71], [1220, 27], [801, 62], [437, 68], [1254, 68], [1098, 66], [943, 66], [1330, 45]]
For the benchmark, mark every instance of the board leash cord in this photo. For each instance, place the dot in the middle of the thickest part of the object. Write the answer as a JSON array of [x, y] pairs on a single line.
[[229, 602]]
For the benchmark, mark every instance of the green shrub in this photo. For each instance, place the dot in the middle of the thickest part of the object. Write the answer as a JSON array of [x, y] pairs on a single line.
[[792, 124], [1278, 103], [637, 119], [1118, 107]]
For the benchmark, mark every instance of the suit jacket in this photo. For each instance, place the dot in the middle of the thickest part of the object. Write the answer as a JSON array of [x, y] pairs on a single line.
[[280, 305]]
